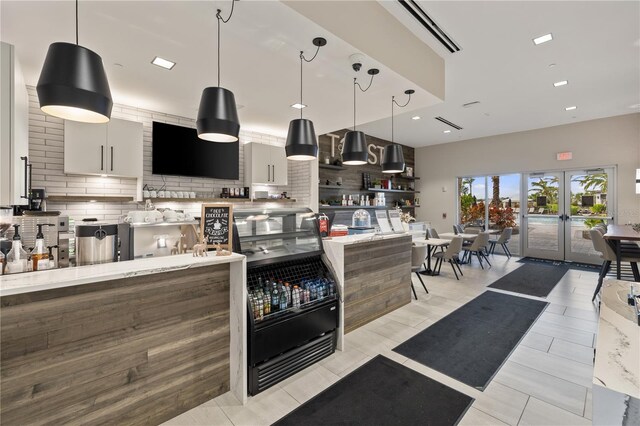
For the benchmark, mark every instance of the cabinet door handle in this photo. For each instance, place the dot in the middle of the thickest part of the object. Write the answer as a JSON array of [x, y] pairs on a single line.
[[273, 173], [26, 185], [111, 158], [268, 174], [101, 157]]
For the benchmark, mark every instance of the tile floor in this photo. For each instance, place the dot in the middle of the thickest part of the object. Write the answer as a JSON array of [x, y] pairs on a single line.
[[545, 381]]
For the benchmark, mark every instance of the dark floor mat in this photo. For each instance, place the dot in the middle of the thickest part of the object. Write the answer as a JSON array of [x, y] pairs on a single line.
[[382, 392], [471, 343], [571, 265], [534, 279]]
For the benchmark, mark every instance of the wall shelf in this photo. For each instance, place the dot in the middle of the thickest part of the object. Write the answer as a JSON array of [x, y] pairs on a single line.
[[407, 177], [393, 190], [221, 200], [88, 198], [334, 187], [330, 166], [352, 207]]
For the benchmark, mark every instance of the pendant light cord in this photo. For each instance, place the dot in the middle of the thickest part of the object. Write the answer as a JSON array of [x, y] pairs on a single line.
[[306, 60], [76, 22], [393, 102], [224, 21], [355, 83]]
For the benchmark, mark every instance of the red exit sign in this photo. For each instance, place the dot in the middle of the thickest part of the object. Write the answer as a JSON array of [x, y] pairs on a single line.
[[564, 156]]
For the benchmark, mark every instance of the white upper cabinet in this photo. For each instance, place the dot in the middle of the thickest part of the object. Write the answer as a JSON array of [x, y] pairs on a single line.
[[113, 149], [14, 129], [265, 164], [124, 139]]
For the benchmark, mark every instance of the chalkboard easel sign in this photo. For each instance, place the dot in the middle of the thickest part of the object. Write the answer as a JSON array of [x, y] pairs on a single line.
[[216, 225]]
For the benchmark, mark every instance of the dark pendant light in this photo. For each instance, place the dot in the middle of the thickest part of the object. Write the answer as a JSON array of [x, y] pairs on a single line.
[[393, 158], [73, 84], [217, 115], [302, 143], [354, 147]]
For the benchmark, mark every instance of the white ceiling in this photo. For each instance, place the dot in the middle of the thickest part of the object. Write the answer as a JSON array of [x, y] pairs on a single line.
[[260, 47], [596, 47]]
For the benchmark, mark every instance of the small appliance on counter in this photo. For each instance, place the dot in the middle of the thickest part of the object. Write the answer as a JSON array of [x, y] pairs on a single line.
[[96, 242], [155, 234]]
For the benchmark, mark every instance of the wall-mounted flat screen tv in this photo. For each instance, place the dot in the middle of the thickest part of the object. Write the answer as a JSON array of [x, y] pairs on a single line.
[[178, 151]]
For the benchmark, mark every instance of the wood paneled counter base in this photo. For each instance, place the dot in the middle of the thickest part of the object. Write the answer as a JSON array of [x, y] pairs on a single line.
[[136, 350], [374, 276]]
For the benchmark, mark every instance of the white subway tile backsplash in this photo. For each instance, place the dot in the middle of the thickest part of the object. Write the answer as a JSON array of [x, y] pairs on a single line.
[[46, 142]]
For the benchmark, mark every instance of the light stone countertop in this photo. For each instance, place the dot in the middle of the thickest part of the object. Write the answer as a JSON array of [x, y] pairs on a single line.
[[66, 277], [360, 238], [617, 365]]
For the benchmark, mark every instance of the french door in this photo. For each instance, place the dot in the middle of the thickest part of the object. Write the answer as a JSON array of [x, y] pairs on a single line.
[[561, 208]]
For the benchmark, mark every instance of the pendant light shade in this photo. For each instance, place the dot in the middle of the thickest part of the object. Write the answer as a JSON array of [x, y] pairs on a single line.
[[354, 148], [393, 159], [302, 143], [73, 84], [217, 116]]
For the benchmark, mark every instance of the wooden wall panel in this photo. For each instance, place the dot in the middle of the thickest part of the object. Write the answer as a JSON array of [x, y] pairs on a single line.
[[138, 350], [377, 279]]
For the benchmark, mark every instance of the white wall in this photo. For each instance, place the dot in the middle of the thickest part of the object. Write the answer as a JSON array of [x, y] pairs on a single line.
[[46, 153], [603, 142]]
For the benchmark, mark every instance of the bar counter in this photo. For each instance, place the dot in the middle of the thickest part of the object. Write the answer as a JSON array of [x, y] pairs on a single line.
[[373, 273], [129, 342]]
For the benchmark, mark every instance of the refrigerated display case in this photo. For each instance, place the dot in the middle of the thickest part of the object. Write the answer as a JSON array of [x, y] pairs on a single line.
[[292, 300]]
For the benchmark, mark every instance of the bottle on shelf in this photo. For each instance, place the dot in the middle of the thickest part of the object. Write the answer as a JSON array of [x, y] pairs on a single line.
[[344, 200], [283, 301], [275, 298], [17, 257], [295, 296], [39, 254]]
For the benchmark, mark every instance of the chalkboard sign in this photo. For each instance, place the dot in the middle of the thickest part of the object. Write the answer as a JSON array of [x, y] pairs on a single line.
[[216, 225]]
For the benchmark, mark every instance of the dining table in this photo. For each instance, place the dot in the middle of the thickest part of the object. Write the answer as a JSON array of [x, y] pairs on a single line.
[[432, 245], [614, 236]]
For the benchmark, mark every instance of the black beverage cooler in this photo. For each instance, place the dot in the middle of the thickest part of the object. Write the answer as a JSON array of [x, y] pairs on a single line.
[[284, 250]]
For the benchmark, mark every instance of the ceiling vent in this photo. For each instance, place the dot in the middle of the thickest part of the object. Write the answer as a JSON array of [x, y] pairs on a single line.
[[470, 104], [427, 22], [448, 123]]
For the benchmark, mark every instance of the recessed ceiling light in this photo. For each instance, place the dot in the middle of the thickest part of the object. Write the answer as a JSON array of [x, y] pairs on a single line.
[[416, 117], [447, 131], [298, 106], [543, 39], [560, 83], [552, 65], [163, 63], [571, 108]]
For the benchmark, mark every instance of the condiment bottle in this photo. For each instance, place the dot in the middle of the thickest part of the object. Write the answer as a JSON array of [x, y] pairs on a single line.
[[39, 255], [17, 257]]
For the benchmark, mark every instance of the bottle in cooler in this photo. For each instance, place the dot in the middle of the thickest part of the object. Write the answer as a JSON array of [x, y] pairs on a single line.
[[275, 298], [283, 301], [295, 296]]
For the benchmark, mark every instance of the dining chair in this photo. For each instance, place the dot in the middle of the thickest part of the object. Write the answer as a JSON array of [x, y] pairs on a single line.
[[418, 254], [503, 240], [479, 248], [450, 255], [608, 255], [541, 210], [433, 233], [531, 210]]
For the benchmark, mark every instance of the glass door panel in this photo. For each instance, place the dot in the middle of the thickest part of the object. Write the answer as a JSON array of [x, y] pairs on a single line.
[[588, 204], [542, 223]]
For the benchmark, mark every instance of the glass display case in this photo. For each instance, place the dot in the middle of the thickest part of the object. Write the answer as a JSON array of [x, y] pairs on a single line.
[[271, 235], [292, 298]]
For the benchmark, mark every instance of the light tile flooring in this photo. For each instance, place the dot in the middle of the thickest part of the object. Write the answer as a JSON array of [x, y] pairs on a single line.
[[545, 381]]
